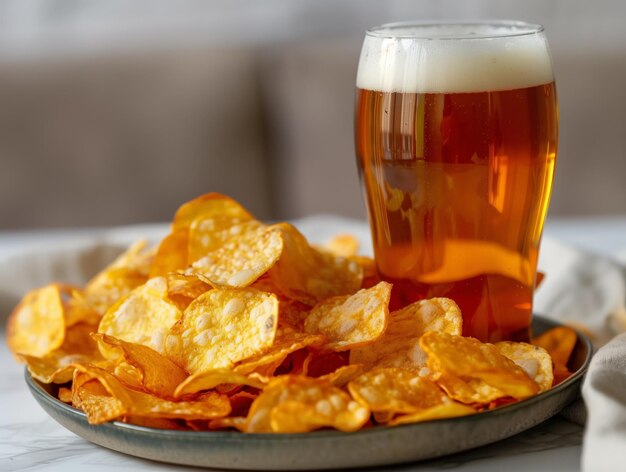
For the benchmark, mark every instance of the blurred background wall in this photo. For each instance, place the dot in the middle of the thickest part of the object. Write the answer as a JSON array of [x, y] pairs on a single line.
[[115, 112]]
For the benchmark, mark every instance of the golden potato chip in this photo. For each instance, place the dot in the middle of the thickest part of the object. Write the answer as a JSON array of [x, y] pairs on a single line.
[[469, 390], [124, 372], [127, 272], [142, 317], [342, 245], [236, 422], [209, 379], [298, 417], [222, 327], [58, 366], [171, 255], [241, 260], [65, 395], [183, 289], [287, 340], [342, 375], [307, 275], [559, 342], [444, 410], [131, 402], [395, 390], [293, 404], [89, 395], [535, 361], [207, 205], [36, 326], [208, 234], [77, 310], [349, 321], [399, 345], [469, 358], [293, 313], [159, 375]]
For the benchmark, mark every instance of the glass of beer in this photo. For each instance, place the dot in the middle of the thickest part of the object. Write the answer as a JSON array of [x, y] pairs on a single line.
[[456, 139]]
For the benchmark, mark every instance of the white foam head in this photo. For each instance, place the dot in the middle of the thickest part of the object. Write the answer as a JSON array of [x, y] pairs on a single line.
[[454, 58]]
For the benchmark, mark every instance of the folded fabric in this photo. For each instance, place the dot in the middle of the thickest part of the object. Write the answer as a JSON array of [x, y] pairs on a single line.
[[604, 391], [582, 289]]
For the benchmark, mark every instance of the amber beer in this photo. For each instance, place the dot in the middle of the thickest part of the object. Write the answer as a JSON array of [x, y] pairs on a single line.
[[456, 137]]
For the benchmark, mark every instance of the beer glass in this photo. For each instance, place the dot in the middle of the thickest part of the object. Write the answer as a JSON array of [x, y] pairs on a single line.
[[456, 139]]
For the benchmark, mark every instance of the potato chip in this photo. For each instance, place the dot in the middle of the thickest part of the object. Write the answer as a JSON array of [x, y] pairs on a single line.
[[241, 260], [469, 390], [307, 275], [399, 346], [193, 230], [65, 395], [298, 417], [58, 365], [222, 327], [142, 317], [444, 410], [235, 422], [135, 403], [159, 375], [469, 358], [207, 235], [207, 205], [127, 272], [395, 390], [36, 326], [124, 372], [349, 321], [293, 404], [342, 375], [89, 395], [293, 313], [342, 245], [171, 255], [77, 310], [535, 361], [183, 289], [287, 340], [559, 342], [209, 379]]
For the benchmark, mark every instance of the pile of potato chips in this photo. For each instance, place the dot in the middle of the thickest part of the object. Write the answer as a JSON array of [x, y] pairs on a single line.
[[231, 323]]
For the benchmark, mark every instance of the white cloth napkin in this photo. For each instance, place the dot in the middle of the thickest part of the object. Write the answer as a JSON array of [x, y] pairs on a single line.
[[582, 289]]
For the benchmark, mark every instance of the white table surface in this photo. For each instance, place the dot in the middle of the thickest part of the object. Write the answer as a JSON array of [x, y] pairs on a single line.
[[30, 440]]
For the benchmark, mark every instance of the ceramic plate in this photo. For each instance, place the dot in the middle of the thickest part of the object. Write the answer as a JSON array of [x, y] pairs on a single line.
[[326, 449]]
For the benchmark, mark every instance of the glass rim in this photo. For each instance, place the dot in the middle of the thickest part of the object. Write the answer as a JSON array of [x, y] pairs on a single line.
[[421, 28]]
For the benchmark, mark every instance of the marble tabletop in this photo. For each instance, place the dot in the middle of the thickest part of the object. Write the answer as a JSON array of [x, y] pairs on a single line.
[[30, 440]]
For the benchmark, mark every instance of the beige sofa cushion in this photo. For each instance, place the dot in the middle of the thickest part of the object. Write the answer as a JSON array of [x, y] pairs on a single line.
[[117, 140]]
